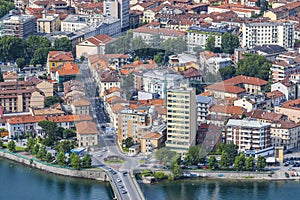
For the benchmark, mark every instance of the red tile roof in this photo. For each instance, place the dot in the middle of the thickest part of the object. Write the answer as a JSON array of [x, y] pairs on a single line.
[[246, 80], [86, 128], [100, 39], [227, 109], [56, 56], [69, 69], [226, 88]]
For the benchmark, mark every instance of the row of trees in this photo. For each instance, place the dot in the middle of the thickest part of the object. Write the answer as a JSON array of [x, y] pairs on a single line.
[[241, 163], [33, 50], [53, 133], [157, 49], [228, 43], [74, 160]]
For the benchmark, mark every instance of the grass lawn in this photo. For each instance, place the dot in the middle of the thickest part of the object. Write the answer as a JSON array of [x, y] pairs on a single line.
[[18, 149]]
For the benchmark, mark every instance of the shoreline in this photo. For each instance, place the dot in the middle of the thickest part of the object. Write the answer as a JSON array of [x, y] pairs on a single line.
[[97, 175]]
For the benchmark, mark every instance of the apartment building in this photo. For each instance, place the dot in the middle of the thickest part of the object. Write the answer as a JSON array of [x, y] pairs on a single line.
[[181, 119], [118, 9], [273, 32], [58, 58], [203, 104], [248, 134], [197, 36], [67, 72], [87, 134], [131, 123], [285, 134], [17, 25], [74, 23], [157, 81], [48, 23]]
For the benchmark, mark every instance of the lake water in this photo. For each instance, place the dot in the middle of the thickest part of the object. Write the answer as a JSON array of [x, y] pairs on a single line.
[[19, 182], [223, 190]]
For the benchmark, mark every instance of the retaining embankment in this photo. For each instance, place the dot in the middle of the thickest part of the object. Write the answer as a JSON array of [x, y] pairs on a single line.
[[95, 174]]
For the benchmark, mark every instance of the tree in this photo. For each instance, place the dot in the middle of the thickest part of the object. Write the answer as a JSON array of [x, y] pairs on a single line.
[[138, 43], [65, 146], [1, 76], [255, 66], [75, 161], [21, 63], [63, 44], [40, 56], [128, 142], [212, 162], [11, 146], [229, 42], [35, 149], [127, 85], [176, 46], [176, 159], [261, 163], [30, 144], [239, 162], [227, 72], [11, 48], [48, 127], [210, 44], [86, 161], [61, 158], [68, 133], [263, 4], [42, 152], [211, 78], [193, 155], [159, 175], [5, 7], [164, 155], [33, 43], [177, 171], [230, 149], [249, 163], [224, 161], [50, 101], [1, 144], [48, 157]]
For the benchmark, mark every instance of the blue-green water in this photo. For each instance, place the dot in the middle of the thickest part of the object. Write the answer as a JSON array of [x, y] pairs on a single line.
[[19, 182], [223, 190]]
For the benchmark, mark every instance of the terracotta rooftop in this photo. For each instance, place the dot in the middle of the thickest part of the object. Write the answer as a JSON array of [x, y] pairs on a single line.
[[56, 56], [225, 88], [69, 69], [100, 39], [160, 31], [274, 94], [70, 118], [227, 109], [86, 128], [116, 108], [293, 104], [26, 119], [259, 114], [81, 102], [246, 80]]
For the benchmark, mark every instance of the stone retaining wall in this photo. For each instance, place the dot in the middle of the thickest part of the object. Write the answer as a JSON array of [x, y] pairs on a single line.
[[88, 174]]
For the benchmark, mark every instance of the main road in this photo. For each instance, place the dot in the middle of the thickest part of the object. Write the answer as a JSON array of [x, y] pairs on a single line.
[[121, 177]]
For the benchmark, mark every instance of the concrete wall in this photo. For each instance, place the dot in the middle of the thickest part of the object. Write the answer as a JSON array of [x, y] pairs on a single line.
[[89, 174]]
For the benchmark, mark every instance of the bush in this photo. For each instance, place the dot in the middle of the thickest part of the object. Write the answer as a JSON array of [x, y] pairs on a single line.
[[159, 175]]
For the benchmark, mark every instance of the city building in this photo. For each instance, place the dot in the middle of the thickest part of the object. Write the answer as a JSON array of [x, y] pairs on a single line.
[[151, 141], [157, 81], [248, 134], [93, 45], [58, 58], [87, 134], [273, 32], [67, 72], [286, 87], [291, 109], [285, 134], [203, 104], [81, 106], [131, 123], [181, 119], [119, 9], [48, 23], [17, 25]]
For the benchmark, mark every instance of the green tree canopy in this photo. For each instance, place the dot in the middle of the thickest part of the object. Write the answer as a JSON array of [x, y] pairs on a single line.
[[177, 171], [229, 42], [11, 48], [63, 44], [249, 163], [210, 44], [42, 152], [75, 161], [227, 72], [68, 133], [212, 162], [86, 161], [21, 63], [164, 155], [239, 162], [193, 155], [5, 7], [1, 76], [261, 163], [224, 162], [50, 101], [1, 143], [40, 56], [33, 43], [35, 149], [255, 66], [61, 159], [230, 149], [176, 46], [48, 157], [128, 142], [11, 146], [65, 146]]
